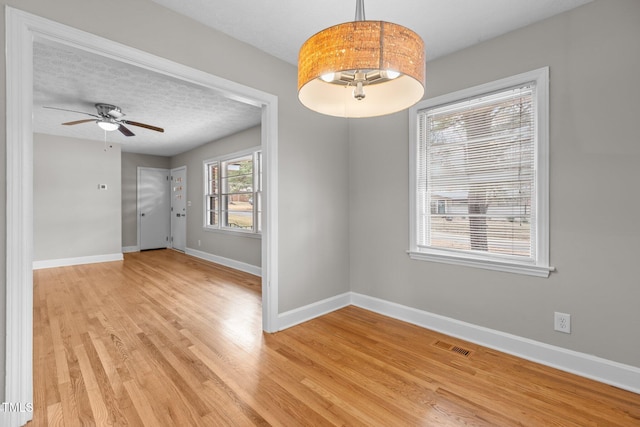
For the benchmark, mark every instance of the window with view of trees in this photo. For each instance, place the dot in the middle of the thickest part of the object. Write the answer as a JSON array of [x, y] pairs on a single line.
[[233, 192], [480, 163]]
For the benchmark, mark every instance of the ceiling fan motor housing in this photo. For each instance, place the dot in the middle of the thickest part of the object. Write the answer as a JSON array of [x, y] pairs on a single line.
[[109, 111]]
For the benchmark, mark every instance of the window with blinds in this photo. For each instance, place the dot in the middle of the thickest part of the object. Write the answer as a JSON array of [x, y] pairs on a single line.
[[477, 185]]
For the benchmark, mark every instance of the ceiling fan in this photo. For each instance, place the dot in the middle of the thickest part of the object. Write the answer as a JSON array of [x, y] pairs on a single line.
[[109, 118]]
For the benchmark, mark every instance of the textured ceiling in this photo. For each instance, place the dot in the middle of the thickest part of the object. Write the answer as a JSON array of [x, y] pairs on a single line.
[[73, 79], [192, 115], [280, 28]]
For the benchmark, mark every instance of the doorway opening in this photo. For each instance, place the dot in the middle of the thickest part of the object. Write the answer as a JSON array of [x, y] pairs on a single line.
[[21, 30]]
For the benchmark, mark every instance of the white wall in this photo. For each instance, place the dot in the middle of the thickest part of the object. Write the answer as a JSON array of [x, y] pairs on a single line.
[[594, 59], [237, 247], [72, 217]]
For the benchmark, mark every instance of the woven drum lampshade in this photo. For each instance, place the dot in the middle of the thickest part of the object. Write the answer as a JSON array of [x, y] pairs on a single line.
[[361, 69]]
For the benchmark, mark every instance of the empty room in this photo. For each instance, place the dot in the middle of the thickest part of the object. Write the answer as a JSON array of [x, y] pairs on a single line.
[[307, 214]]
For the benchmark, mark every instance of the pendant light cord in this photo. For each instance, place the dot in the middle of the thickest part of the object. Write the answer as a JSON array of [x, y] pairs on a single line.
[[360, 10]]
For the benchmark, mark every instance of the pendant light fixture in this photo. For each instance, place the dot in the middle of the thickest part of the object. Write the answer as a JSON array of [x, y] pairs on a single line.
[[361, 68]]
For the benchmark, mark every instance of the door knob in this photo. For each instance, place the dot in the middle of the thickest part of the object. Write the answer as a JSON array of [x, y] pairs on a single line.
[[142, 214]]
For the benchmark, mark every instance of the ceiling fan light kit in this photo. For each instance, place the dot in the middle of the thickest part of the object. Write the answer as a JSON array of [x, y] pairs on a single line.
[[361, 68], [108, 125]]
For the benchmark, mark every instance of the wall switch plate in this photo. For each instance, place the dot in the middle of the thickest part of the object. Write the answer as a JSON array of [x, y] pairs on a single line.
[[562, 322]]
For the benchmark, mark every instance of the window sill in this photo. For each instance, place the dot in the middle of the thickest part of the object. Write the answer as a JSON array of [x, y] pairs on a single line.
[[236, 233], [508, 267]]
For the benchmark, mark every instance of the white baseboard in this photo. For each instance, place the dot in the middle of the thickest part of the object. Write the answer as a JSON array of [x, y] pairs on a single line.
[[227, 262], [63, 262], [128, 249], [626, 377], [311, 311]]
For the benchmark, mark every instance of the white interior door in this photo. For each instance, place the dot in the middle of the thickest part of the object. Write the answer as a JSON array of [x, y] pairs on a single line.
[[179, 208], [154, 205]]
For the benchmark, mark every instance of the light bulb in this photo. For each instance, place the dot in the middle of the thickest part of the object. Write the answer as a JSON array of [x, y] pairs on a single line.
[[328, 77], [391, 74]]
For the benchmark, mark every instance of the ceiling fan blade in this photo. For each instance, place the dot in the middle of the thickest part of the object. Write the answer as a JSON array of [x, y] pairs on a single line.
[[72, 111], [77, 122], [125, 131], [142, 125]]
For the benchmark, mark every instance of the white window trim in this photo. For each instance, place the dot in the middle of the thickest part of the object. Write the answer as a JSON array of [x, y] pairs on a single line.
[[219, 229], [541, 266]]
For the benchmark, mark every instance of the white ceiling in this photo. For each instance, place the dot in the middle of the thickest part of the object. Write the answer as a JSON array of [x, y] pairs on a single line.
[[192, 115], [279, 28]]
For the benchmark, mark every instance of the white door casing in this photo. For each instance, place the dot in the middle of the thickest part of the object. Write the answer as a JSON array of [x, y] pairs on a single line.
[[179, 208]]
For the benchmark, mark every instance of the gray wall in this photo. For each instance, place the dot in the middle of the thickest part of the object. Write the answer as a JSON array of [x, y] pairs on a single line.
[[130, 164], [234, 246], [312, 149], [72, 218], [594, 59]]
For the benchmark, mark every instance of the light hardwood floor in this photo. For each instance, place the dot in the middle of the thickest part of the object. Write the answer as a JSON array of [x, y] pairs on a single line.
[[163, 339]]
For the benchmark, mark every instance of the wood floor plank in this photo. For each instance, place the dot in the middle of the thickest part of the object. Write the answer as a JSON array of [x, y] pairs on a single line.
[[98, 408], [54, 415], [39, 380], [70, 412], [228, 409], [104, 386], [60, 355], [142, 404], [164, 339]]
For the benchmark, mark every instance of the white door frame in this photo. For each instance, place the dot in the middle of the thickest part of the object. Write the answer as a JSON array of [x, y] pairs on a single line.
[[186, 204], [21, 29]]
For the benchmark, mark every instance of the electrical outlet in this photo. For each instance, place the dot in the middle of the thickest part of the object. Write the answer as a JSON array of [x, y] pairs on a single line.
[[562, 322]]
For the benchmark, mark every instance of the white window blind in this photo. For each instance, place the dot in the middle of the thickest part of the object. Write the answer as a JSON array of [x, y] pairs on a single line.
[[212, 193], [475, 184]]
